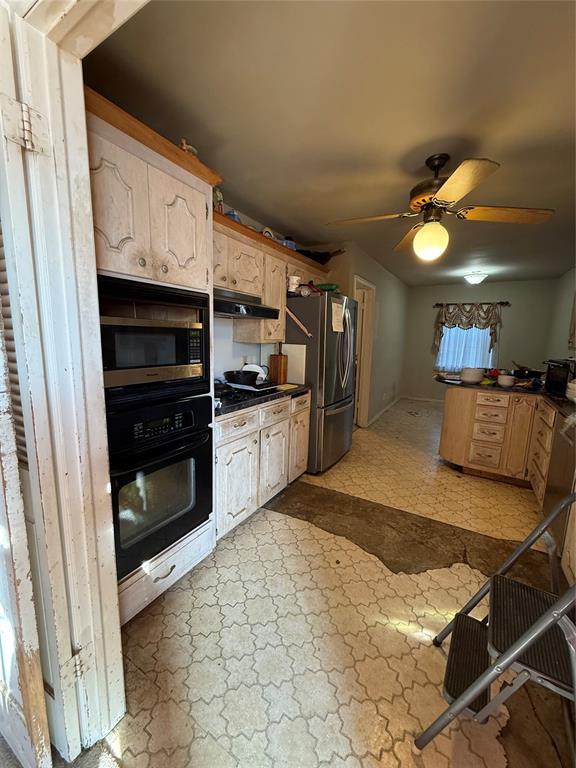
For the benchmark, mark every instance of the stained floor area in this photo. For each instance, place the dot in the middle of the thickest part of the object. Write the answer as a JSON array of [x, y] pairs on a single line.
[[395, 462]]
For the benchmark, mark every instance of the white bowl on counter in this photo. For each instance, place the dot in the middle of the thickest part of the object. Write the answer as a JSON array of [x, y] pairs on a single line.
[[504, 380], [472, 375]]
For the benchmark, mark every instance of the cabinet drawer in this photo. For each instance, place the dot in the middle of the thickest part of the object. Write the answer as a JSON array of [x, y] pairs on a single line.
[[486, 398], [491, 433], [491, 414], [300, 403], [485, 455], [275, 412], [543, 433], [537, 482], [547, 413], [139, 589], [236, 426]]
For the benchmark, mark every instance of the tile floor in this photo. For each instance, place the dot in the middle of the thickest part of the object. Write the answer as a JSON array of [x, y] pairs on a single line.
[[395, 462], [293, 647], [290, 647]]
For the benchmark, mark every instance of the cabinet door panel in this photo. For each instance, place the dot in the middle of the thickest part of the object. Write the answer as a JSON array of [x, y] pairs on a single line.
[[273, 460], [274, 296], [519, 430], [119, 183], [245, 268], [237, 482], [299, 432], [178, 231], [220, 259]]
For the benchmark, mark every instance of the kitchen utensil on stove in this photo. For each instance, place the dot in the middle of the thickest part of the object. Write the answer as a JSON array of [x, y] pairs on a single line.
[[247, 378], [261, 371]]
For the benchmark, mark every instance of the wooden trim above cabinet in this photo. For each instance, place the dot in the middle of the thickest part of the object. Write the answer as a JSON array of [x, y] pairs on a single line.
[[257, 237], [104, 109]]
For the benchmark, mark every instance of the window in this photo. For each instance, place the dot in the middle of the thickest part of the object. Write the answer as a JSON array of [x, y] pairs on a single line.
[[464, 348]]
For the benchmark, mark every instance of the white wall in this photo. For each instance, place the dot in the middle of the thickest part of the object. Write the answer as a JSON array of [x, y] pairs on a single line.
[[230, 355], [563, 302], [388, 344], [524, 335]]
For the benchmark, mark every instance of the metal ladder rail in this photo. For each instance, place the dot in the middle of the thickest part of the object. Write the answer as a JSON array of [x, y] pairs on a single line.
[[539, 531], [552, 616]]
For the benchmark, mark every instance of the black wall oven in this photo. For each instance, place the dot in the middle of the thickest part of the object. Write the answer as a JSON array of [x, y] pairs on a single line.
[[153, 334], [161, 474]]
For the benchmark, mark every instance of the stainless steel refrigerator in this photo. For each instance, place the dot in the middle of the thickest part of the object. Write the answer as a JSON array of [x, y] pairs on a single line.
[[329, 371]]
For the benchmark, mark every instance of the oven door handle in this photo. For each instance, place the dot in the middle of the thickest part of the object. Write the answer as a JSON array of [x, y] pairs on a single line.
[[187, 448]]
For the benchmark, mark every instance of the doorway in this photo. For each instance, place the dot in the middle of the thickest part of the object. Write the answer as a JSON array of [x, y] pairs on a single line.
[[365, 295]]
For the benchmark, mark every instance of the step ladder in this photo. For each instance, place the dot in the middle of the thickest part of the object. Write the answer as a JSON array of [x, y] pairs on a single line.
[[528, 631]]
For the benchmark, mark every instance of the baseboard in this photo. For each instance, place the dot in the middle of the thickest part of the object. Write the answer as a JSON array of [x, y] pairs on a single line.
[[421, 399], [386, 408]]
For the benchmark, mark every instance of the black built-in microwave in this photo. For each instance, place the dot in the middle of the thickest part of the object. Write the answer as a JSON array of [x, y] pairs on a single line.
[[153, 334]]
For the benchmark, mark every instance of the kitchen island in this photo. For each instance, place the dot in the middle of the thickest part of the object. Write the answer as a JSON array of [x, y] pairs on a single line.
[[505, 433]]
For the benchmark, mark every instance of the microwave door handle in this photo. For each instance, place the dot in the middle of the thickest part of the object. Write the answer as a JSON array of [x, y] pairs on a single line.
[[172, 455]]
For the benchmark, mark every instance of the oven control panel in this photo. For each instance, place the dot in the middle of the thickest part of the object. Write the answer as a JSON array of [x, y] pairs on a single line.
[[144, 430]]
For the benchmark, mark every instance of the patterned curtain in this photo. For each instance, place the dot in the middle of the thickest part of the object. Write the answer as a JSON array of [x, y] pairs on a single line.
[[467, 316]]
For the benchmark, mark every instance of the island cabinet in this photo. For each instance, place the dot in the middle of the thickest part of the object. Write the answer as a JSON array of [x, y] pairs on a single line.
[[488, 431], [151, 217], [259, 450]]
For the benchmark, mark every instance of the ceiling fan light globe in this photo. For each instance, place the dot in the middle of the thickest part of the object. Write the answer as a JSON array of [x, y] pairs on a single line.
[[475, 278], [431, 241]]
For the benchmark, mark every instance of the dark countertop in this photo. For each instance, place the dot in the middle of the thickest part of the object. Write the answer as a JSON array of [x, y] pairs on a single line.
[[562, 404], [296, 391]]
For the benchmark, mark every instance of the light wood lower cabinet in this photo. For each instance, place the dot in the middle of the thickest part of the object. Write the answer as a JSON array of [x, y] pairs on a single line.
[[258, 452], [274, 446], [236, 481], [491, 431], [299, 434]]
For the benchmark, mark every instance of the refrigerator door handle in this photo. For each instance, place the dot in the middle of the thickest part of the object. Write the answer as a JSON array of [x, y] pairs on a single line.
[[330, 412], [349, 351]]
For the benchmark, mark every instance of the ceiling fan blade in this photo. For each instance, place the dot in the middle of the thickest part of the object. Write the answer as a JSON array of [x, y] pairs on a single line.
[[505, 215], [408, 237], [468, 175], [364, 219]]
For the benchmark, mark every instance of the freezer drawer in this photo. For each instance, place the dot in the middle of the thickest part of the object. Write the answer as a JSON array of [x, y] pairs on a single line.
[[331, 435]]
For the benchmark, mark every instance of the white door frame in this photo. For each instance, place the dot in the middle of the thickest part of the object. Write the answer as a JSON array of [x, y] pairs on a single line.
[[52, 277], [365, 294]]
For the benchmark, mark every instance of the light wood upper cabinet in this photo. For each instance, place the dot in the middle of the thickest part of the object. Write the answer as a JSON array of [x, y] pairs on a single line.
[[245, 268], [274, 457], [236, 482], [147, 223], [514, 463], [220, 259], [299, 434], [178, 217], [119, 182], [274, 296]]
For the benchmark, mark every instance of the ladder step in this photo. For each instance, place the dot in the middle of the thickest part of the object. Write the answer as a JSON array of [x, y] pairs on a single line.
[[468, 658], [514, 608]]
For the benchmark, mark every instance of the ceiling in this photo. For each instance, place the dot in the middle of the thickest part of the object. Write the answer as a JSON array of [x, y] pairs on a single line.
[[314, 111]]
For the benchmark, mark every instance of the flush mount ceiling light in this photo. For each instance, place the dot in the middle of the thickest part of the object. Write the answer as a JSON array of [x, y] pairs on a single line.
[[474, 278], [430, 241]]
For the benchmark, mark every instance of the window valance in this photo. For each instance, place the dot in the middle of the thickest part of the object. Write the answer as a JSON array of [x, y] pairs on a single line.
[[467, 316]]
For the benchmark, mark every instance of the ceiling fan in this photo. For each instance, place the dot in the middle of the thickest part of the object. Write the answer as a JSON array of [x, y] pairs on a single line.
[[434, 198]]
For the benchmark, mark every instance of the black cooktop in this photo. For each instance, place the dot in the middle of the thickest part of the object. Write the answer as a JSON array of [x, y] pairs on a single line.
[[228, 399]]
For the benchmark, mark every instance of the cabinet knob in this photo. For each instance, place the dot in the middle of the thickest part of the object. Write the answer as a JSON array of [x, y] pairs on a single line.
[[234, 281], [142, 261], [224, 278], [164, 268], [268, 436], [255, 442]]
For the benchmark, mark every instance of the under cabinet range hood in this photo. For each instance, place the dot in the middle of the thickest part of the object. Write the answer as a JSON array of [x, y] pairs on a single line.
[[238, 305]]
